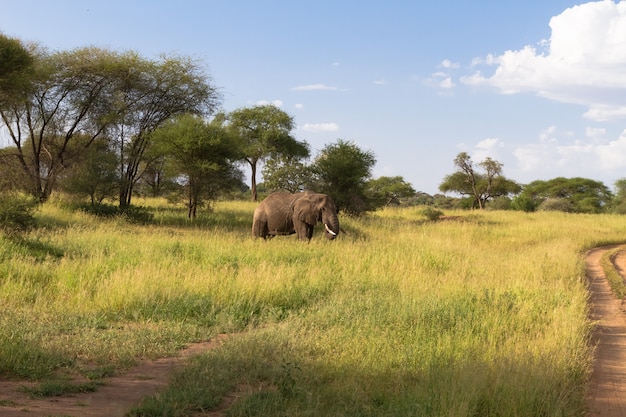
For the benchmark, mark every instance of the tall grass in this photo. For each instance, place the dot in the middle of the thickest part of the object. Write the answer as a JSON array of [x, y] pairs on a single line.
[[481, 314]]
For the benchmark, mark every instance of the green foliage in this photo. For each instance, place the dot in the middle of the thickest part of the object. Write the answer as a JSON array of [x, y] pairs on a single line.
[[556, 204], [579, 195], [432, 214], [287, 173], [93, 175], [389, 190], [264, 132], [523, 203], [482, 187], [15, 65], [618, 204], [342, 171], [16, 212], [132, 214], [201, 157]]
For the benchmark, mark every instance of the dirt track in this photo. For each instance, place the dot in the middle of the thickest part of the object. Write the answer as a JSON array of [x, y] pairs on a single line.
[[606, 396], [607, 389]]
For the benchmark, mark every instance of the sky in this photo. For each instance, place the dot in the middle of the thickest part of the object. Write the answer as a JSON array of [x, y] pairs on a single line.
[[537, 85]]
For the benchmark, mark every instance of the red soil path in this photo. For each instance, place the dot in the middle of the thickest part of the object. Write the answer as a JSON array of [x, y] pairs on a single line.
[[606, 396]]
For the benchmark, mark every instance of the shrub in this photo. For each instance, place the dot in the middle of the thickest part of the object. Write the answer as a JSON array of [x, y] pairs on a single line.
[[132, 214], [16, 212], [432, 214], [556, 204]]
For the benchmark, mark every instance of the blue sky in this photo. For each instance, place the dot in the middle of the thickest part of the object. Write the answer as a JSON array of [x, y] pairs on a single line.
[[537, 85]]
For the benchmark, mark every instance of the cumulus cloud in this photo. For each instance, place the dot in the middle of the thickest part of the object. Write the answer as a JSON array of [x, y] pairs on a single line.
[[487, 148], [446, 63], [583, 62], [277, 103], [320, 127], [314, 87], [553, 155]]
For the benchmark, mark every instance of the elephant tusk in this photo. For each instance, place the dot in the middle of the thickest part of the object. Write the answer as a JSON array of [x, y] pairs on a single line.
[[329, 231]]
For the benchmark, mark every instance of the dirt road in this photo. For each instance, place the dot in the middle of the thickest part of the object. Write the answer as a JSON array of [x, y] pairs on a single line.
[[607, 389]]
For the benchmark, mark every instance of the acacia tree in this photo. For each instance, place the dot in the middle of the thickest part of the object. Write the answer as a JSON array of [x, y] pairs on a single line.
[[202, 156], [389, 190], [480, 186], [151, 93], [65, 98], [577, 194], [264, 132], [342, 170]]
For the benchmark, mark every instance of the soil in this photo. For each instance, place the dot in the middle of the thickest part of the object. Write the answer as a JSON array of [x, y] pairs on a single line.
[[606, 395]]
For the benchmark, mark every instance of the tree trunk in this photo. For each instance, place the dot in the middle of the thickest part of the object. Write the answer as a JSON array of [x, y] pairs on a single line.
[[253, 164]]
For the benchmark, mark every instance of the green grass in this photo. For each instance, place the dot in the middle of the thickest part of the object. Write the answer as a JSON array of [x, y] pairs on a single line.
[[483, 313]]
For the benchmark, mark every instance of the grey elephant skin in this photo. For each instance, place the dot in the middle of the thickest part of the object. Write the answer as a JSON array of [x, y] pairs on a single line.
[[283, 213]]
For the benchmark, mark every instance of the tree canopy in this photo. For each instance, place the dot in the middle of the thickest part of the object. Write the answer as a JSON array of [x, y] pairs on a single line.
[[16, 63], [91, 93], [580, 195], [201, 156], [389, 190], [342, 170], [481, 187], [265, 132]]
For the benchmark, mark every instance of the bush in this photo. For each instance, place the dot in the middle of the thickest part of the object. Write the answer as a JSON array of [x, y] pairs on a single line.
[[556, 204], [16, 212], [132, 214], [432, 214]]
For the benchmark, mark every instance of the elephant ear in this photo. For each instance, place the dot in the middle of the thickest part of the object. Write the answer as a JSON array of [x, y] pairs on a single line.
[[304, 211]]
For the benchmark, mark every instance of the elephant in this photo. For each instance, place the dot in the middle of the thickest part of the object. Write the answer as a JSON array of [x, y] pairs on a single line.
[[283, 213]]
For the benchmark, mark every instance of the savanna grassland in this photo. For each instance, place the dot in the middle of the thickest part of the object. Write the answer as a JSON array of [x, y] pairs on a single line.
[[479, 314]]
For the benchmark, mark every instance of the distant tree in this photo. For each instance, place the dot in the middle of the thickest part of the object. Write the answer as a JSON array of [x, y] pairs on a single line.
[[389, 190], [289, 173], [481, 187], [202, 156], [342, 170], [619, 202], [580, 195], [265, 132]]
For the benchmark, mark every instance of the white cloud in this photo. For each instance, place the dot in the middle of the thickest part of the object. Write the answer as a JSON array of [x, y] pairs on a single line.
[[446, 63], [590, 158], [277, 103], [446, 83], [313, 87], [319, 127], [380, 82], [441, 80], [584, 62], [299, 106], [486, 148]]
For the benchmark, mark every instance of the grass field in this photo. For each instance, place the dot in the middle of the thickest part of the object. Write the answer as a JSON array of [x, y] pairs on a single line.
[[480, 314]]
